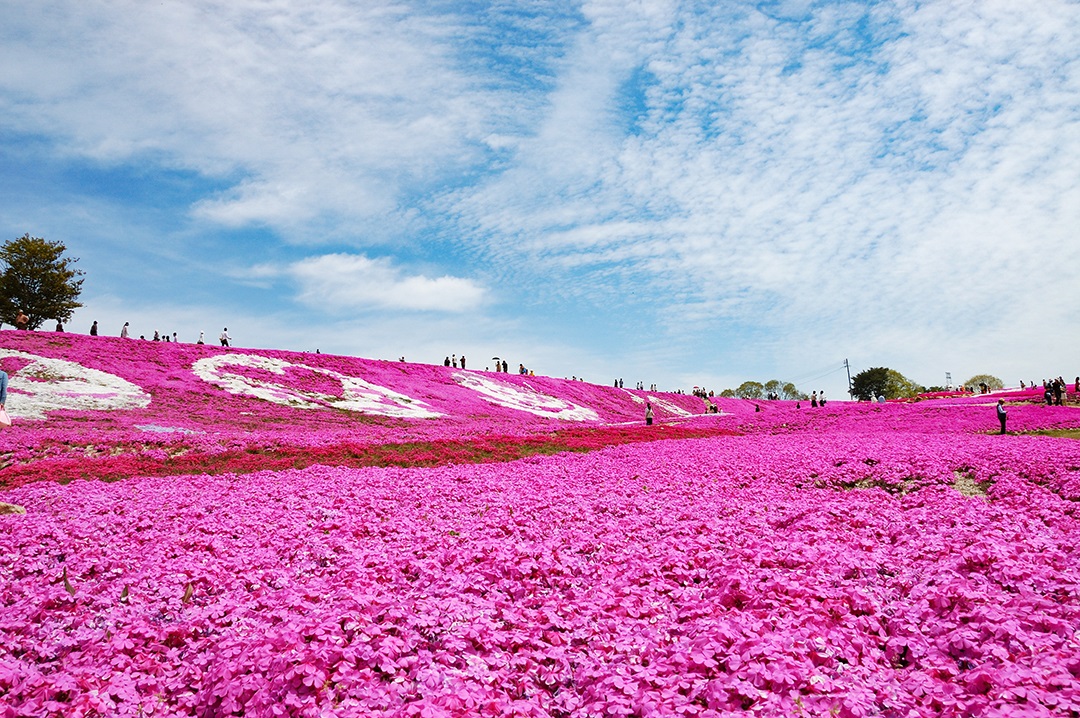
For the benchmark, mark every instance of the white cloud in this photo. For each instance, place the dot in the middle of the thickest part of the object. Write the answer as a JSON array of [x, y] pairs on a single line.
[[337, 283], [824, 178], [316, 108]]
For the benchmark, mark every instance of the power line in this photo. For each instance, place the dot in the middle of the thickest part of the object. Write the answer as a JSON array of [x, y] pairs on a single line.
[[817, 374]]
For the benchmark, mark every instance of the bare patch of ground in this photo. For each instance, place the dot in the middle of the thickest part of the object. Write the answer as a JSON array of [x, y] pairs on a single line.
[[967, 486]]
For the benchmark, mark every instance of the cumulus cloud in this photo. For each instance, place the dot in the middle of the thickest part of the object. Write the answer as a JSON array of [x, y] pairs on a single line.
[[339, 283], [303, 109]]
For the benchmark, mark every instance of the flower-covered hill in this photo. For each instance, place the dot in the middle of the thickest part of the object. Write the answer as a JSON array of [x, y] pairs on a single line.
[[109, 408], [856, 560]]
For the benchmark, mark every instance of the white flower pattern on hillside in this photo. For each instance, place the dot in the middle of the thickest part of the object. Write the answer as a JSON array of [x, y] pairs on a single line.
[[524, 398], [662, 404], [357, 394], [45, 385]]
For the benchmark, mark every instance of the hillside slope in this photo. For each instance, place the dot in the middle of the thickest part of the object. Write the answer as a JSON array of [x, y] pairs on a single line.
[[109, 407]]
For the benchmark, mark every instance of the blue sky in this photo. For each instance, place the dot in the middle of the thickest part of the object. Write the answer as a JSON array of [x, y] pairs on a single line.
[[679, 193]]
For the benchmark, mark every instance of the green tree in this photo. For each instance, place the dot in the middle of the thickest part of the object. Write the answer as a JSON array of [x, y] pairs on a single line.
[[727, 394], [989, 379], [750, 390], [881, 381], [39, 280]]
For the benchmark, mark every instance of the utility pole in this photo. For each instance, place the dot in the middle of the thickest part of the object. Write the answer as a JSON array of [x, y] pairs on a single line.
[[848, 367]]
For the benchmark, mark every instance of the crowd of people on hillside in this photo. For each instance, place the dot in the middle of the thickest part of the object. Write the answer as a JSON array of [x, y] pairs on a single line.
[[452, 361], [1055, 390], [22, 322]]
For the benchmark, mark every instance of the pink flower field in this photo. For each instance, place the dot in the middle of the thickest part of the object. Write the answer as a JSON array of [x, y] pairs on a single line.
[[858, 560]]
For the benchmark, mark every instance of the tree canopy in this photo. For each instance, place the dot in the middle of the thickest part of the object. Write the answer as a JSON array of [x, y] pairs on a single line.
[[881, 381], [38, 279], [750, 390], [757, 390], [989, 379]]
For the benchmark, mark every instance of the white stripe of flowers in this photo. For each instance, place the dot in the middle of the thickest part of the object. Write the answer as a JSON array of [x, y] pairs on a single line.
[[47, 384], [358, 395], [524, 399]]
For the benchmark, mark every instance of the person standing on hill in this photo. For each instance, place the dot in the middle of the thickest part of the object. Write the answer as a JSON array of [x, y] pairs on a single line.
[[1002, 415], [124, 331], [93, 329], [22, 321], [813, 400], [225, 338], [202, 339], [648, 414], [462, 361]]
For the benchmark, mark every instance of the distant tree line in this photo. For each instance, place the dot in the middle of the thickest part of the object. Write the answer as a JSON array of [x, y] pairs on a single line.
[[867, 385], [772, 389], [880, 381]]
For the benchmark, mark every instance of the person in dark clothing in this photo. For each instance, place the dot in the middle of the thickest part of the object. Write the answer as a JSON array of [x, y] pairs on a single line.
[[93, 329], [1002, 415]]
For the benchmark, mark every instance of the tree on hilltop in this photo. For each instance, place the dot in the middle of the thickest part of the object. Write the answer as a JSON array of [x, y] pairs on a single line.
[[37, 279], [989, 379], [757, 390], [881, 381], [750, 390]]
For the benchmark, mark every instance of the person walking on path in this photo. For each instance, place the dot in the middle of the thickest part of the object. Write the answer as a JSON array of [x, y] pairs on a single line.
[[124, 331], [1002, 415], [225, 338], [93, 329], [648, 414]]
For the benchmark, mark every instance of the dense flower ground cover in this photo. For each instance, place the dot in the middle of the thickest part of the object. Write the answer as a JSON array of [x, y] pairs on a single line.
[[862, 560]]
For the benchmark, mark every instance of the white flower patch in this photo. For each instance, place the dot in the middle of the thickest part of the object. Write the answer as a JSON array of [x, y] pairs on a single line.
[[47, 384], [669, 407], [158, 429], [663, 404], [357, 394], [525, 399]]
